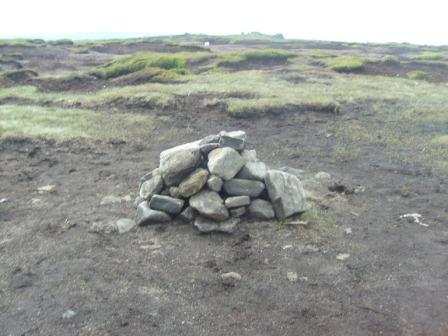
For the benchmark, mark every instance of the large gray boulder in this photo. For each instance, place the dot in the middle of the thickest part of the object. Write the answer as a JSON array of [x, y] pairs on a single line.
[[206, 225], [193, 183], [209, 204], [255, 170], [261, 209], [237, 201], [286, 193], [177, 162], [146, 216], [151, 187], [242, 187], [167, 204], [224, 162]]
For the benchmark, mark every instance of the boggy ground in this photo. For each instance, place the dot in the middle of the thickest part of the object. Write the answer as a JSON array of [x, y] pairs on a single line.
[[58, 250]]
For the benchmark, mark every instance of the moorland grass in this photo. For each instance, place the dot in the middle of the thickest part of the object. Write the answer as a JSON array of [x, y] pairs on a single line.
[[21, 43], [416, 105], [64, 124]]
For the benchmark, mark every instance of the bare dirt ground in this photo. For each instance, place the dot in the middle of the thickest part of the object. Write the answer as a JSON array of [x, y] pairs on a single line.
[[57, 251]]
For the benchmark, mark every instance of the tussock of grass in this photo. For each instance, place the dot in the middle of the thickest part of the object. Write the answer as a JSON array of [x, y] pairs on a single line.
[[417, 75], [256, 56], [390, 60], [175, 62], [431, 56], [346, 64], [63, 124]]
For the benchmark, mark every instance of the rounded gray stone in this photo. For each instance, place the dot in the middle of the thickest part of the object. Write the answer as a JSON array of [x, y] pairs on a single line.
[[210, 204], [254, 170], [237, 201], [224, 162], [146, 216], [177, 162], [151, 187], [237, 212], [206, 225], [261, 209], [167, 204], [215, 183]]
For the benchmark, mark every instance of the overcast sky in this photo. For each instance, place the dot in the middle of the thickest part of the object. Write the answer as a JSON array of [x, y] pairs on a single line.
[[415, 21]]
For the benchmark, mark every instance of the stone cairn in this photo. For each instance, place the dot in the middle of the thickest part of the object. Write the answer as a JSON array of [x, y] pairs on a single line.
[[215, 181]]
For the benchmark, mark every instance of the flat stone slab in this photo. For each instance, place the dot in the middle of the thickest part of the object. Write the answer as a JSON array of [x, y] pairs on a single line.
[[146, 216], [167, 204], [209, 204], [224, 162], [286, 193], [242, 187], [206, 225], [237, 201]]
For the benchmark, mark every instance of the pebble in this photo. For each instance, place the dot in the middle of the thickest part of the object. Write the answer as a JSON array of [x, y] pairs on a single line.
[[68, 314], [127, 198], [230, 278], [3, 200], [292, 276], [322, 176], [342, 256], [36, 202], [46, 188]]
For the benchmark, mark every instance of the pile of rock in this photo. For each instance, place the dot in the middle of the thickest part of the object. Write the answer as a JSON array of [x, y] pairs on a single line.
[[215, 181]]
